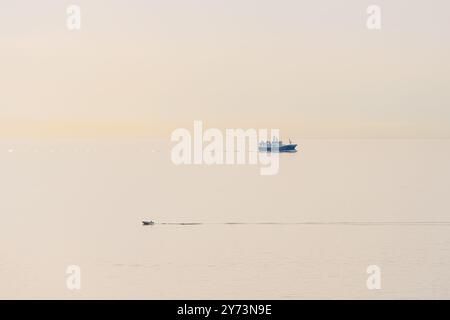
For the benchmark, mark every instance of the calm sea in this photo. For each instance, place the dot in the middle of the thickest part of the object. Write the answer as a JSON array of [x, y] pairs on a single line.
[[335, 208]]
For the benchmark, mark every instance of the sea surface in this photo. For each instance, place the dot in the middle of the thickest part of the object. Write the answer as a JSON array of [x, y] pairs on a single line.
[[225, 231]]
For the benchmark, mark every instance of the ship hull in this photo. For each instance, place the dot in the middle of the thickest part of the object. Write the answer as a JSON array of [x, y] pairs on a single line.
[[284, 148]]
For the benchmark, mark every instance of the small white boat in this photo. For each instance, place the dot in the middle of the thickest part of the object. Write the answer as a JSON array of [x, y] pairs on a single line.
[[148, 222]]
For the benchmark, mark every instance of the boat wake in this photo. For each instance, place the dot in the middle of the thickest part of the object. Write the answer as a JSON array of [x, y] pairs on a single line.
[[339, 223]]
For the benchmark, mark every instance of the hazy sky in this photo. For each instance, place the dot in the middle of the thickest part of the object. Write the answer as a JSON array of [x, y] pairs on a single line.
[[143, 67]]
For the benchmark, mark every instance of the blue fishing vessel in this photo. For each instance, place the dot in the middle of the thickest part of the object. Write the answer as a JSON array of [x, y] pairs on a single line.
[[277, 146]]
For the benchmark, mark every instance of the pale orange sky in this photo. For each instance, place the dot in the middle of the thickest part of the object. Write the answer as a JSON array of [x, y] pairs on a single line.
[[145, 68]]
